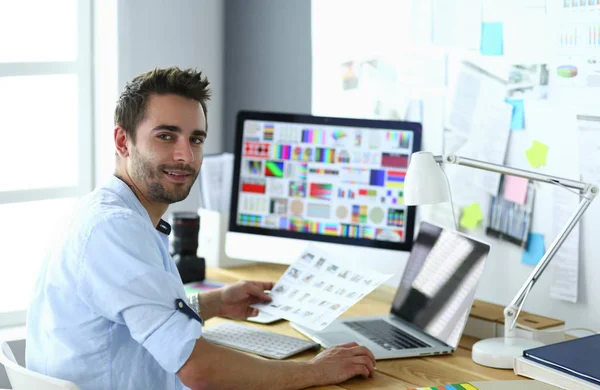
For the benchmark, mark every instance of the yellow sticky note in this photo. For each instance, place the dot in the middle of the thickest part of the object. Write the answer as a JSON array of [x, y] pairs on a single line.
[[471, 216], [536, 154]]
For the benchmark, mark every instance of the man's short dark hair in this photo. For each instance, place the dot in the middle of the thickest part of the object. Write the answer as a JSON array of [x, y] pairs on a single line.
[[131, 106]]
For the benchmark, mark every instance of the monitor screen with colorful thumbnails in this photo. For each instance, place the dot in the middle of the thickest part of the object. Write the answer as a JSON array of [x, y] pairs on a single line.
[[338, 181]]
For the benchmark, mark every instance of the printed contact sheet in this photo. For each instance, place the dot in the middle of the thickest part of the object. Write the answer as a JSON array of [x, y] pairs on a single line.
[[317, 288]]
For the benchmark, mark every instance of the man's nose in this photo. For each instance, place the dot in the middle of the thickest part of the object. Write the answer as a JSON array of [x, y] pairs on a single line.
[[183, 152]]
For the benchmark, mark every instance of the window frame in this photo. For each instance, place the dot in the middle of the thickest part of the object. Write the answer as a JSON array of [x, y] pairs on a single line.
[[82, 67]]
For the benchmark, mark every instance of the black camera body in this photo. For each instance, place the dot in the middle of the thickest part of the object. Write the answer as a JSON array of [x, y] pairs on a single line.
[[186, 226]]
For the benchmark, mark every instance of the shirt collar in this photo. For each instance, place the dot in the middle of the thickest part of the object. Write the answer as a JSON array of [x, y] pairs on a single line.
[[123, 190]]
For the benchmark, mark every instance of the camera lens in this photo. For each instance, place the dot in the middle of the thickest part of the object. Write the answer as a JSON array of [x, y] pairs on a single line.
[[186, 226]]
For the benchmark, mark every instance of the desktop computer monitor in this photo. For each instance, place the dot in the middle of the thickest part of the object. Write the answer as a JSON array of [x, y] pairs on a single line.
[[334, 181]]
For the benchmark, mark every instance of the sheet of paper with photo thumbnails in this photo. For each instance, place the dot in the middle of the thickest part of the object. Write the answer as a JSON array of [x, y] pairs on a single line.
[[317, 288]]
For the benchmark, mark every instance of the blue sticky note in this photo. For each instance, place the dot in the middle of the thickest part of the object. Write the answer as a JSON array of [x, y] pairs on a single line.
[[492, 39], [518, 114], [535, 249]]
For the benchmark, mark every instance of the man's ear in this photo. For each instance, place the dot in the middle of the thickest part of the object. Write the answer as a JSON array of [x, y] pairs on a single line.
[[121, 141]]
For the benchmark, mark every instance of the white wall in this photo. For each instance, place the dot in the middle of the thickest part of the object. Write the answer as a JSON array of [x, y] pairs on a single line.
[[158, 33], [267, 59]]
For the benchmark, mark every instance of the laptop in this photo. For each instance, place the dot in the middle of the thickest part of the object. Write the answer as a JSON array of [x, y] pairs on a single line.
[[432, 302]]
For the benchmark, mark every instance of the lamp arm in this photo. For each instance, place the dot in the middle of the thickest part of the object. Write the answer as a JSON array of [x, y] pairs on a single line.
[[587, 192], [511, 312], [486, 166]]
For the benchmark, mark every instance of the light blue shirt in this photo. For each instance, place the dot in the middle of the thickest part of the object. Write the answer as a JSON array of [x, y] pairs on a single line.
[[103, 314]]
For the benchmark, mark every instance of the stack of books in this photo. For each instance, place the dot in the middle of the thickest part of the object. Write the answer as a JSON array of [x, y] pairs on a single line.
[[569, 365]]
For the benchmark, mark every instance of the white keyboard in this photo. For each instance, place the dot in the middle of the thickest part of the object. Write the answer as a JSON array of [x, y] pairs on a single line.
[[257, 341]]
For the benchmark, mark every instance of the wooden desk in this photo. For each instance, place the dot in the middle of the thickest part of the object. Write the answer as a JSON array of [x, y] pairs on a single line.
[[391, 374]]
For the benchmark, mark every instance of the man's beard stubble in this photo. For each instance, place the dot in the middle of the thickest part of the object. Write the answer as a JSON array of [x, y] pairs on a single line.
[[145, 173]]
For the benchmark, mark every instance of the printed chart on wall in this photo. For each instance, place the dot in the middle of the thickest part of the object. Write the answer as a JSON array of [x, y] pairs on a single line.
[[317, 288], [578, 43], [324, 180]]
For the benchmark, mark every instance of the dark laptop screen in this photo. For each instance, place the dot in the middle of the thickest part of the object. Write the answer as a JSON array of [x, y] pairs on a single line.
[[439, 282]]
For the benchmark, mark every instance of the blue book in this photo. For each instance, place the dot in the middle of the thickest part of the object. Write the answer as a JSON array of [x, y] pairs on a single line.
[[578, 357]]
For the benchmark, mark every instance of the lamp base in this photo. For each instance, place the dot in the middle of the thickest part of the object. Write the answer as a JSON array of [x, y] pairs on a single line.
[[499, 352]]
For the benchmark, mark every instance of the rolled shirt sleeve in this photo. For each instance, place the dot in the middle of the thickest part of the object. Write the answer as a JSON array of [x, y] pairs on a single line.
[[128, 282]]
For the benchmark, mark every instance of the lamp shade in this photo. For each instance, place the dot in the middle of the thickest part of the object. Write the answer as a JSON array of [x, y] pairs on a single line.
[[425, 182]]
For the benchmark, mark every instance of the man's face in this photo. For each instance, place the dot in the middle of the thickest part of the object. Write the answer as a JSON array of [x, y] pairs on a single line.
[[167, 155]]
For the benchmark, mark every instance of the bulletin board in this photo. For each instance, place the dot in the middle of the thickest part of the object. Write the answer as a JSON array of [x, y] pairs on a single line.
[[513, 82]]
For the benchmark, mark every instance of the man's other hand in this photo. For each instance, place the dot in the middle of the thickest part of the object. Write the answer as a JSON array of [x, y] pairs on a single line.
[[237, 298], [342, 362]]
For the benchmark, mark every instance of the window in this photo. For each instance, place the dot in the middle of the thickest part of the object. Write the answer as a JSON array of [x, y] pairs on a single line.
[[46, 135]]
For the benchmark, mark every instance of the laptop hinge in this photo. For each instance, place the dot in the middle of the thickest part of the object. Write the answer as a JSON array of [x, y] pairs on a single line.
[[402, 321]]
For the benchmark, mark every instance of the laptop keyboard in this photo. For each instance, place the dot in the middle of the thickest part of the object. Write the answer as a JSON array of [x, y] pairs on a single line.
[[385, 335]]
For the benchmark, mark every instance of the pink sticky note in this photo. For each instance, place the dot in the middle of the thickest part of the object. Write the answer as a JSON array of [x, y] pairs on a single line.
[[515, 189]]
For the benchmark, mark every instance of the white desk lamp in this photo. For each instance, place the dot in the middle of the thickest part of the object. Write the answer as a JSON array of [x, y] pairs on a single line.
[[426, 183]]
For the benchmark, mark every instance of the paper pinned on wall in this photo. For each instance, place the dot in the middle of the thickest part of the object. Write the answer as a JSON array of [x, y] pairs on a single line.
[[491, 142], [433, 124], [533, 6], [535, 249], [510, 220], [518, 114], [471, 216], [492, 39], [526, 81], [526, 36], [536, 154], [480, 115], [515, 189], [421, 21], [495, 11], [565, 264], [423, 70], [369, 89], [488, 141], [414, 111], [579, 75], [216, 178], [464, 104], [453, 142], [473, 92], [227, 161], [589, 145], [457, 23]]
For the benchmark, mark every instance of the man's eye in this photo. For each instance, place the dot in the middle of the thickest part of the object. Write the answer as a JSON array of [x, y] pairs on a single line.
[[197, 141], [166, 137]]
